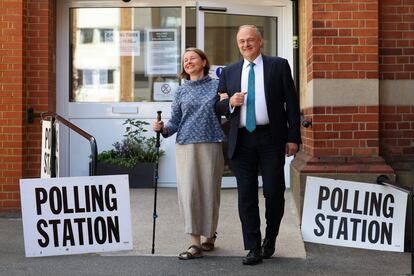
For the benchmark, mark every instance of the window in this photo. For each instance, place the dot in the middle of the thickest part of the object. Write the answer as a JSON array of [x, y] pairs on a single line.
[[124, 55], [86, 35]]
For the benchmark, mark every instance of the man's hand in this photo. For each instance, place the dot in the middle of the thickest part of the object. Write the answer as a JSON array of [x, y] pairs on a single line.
[[291, 149], [237, 99]]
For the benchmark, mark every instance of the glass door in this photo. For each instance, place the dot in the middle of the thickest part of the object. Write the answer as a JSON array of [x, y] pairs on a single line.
[[116, 61], [217, 26]]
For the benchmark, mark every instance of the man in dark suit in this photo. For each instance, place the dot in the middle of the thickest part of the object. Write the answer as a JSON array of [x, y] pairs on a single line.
[[259, 98]]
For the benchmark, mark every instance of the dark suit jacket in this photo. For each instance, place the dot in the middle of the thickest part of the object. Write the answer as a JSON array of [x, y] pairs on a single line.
[[281, 100]]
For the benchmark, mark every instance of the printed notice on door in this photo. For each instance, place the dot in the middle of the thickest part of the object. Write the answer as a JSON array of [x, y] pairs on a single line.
[[162, 52], [129, 43]]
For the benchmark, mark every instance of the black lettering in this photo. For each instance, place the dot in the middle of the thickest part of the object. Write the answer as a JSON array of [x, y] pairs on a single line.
[[76, 198], [54, 223], [364, 230], [68, 233], [344, 209], [318, 219], [386, 232], [80, 221], [375, 204], [113, 229], [97, 198], [41, 197], [331, 225], [342, 229], [55, 200], [356, 200], [45, 242], [336, 193], [323, 195], [111, 203], [66, 209], [366, 203], [46, 167], [87, 199], [90, 231], [100, 227], [354, 227], [373, 231], [388, 211]]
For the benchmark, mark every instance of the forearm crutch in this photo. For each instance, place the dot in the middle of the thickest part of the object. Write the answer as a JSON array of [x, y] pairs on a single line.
[[157, 157]]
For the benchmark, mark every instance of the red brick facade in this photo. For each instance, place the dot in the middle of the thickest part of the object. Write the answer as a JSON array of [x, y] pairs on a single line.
[[342, 39], [342, 131], [27, 50], [12, 103], [396, 39], [396, 43]]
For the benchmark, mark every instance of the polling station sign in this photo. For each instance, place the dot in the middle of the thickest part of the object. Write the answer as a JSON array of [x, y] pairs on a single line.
[[72, 215], [353, 214]]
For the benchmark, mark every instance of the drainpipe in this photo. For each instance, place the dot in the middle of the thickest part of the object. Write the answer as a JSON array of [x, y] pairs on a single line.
[[295, 15]]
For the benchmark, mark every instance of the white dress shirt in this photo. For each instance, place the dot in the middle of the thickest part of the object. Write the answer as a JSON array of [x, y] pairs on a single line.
[[262, 118]]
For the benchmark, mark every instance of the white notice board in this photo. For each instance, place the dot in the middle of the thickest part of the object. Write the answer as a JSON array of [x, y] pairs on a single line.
[[162, 52], [46, 154], [72, 215], [354, 214]]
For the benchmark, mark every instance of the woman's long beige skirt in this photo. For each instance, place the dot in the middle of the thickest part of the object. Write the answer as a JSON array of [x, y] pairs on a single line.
[[199, 172]]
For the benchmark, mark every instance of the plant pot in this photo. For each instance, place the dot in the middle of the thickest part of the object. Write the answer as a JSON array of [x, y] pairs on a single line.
[[140, 176]]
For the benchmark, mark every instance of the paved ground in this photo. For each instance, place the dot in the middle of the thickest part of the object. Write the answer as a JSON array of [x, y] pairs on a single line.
[[293, 256]]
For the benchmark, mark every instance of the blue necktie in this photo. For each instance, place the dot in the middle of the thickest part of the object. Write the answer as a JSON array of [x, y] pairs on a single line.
[[250, 108]]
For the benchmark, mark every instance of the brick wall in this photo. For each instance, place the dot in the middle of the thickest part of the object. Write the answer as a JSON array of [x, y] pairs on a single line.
[[342, 131], [397, 130], [39, 35], [11, 103], [343, 41], [27, 79], [396, 42]]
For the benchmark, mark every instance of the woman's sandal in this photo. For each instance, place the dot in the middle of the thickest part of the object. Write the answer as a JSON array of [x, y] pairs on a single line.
[[209, 246], [187, 255]]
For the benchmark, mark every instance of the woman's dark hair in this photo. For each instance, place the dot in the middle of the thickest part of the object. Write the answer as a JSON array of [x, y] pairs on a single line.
[[203, 57]]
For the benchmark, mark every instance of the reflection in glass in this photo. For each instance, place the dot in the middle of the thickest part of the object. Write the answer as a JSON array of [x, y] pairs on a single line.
[[124, 54], [223, 28]]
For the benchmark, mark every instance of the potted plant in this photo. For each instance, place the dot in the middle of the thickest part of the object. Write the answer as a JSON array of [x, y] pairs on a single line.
[[135, 155]]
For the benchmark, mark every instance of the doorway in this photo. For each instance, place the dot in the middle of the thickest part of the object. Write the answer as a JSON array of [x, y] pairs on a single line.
[[109, 70]]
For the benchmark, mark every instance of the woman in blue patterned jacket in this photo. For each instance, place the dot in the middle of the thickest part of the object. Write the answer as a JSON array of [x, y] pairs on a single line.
[[199, 157]]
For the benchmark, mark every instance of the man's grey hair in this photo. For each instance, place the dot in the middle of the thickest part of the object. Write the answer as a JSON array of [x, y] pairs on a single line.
[[251, 26]]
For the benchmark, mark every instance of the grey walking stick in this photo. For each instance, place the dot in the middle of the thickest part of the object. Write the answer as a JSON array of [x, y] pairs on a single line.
[[157, 157]]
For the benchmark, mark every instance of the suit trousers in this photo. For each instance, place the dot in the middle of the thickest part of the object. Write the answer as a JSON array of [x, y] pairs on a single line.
[[257, 150]]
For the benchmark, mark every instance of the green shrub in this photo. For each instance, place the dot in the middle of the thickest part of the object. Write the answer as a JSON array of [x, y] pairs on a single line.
[[134, 148]]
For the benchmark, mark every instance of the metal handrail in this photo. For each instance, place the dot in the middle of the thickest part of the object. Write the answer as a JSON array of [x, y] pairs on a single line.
[[81, 132], [385, 180]]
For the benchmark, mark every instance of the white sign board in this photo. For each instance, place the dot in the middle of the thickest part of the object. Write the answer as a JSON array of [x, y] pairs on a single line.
[[162, 52], [46, 154], [72, 215], [164, 91], [354, 214]]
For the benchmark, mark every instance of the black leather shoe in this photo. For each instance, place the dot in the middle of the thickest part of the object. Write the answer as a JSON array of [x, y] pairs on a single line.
[[253, 257], [268, 248]]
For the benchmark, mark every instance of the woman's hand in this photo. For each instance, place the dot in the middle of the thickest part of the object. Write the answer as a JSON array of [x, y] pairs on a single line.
[[157, 126], [223, 96]]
